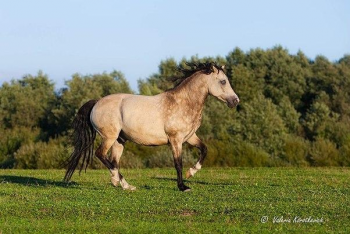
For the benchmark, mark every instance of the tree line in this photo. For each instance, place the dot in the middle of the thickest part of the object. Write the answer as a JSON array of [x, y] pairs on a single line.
[[294, 111]]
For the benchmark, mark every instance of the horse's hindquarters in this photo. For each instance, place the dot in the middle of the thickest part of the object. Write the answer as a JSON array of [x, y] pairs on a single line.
[[106, 117]]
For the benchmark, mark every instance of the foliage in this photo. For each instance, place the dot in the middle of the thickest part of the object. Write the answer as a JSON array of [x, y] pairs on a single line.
[[324, 153], [345, 152], [296, 151], [130, 160], [40, 154], [23, 102], [162, 158], [11, 141], [294, 111], [237, 153]]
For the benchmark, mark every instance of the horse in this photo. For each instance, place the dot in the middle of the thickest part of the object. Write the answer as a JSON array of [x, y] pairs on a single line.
[[169, 118]]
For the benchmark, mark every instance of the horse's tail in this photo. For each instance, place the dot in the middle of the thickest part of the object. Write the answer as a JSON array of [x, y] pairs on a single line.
[[83, 140]]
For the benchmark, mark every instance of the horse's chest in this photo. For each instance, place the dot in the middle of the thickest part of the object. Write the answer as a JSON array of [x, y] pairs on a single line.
[[184, 125]]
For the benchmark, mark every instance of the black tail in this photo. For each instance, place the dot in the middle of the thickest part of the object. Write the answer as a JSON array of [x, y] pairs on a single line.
[[83, 140]]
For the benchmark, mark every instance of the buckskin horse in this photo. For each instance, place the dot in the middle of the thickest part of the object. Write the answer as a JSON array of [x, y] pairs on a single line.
[[171, 117]]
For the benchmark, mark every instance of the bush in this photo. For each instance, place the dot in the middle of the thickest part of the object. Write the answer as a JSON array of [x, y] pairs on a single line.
[[296, 151], [163, 157], [11, 140], [238, 153], [130, 160], [248, 155], [324, 153], [42, 155], [344, 152]]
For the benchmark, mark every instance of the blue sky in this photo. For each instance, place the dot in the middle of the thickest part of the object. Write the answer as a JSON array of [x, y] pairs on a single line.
[[65, 37]]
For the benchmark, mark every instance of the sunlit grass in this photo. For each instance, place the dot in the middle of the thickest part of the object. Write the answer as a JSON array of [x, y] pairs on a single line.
[[221, 200]]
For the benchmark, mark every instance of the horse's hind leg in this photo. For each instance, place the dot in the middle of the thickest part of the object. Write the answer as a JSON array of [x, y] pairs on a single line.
[[102, 151], [117, 177], [196, 142]]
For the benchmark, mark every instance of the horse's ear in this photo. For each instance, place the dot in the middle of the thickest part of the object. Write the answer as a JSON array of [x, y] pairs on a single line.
[[223, 67]]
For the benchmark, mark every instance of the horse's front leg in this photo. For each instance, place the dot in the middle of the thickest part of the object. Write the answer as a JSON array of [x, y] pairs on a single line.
[[176, 147], [196, 142]]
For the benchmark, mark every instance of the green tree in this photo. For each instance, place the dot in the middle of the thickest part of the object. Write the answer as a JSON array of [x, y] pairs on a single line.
[[260, 124], [23, 103]]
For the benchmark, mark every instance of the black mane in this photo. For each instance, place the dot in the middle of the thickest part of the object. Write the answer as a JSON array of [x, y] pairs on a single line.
[[206, 68]]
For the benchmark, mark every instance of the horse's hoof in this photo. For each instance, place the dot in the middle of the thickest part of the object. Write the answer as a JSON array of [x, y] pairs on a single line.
[[188, 174], [184, 188], [130, 187], [115, 182]]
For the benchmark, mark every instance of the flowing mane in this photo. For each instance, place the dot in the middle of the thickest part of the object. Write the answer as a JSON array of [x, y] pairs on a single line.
[[206, 68]]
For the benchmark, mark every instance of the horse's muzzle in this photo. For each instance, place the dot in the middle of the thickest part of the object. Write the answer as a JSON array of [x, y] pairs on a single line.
[[232, 102]]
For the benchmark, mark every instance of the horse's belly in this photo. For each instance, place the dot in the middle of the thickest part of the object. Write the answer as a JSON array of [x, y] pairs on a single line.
[[145, 135], [146, 128]]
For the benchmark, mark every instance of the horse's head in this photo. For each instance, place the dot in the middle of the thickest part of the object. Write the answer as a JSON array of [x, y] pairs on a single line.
[[220, 87]]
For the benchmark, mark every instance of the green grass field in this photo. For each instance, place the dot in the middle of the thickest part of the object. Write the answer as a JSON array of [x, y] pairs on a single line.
[[222, 200]]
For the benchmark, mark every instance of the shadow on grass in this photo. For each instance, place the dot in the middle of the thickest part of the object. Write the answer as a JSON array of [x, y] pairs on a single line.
[[31, 181], [193, 181]]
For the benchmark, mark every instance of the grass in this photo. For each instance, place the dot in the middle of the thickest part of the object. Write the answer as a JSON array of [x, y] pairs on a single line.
[[222, 200]]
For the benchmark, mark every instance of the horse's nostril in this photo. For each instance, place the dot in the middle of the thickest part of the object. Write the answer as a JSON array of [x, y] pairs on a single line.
[[233, 102]]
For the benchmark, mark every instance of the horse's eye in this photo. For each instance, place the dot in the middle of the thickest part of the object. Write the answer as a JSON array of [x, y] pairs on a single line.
[[223, 82]]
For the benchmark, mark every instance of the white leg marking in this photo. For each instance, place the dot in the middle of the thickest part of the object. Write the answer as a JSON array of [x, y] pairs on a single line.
[[198, 166], [114, 172], [115, 177], [126, 186], [194, 170]]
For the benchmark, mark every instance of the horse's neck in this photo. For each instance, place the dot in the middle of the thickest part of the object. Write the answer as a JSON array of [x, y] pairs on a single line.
[[192, 94]]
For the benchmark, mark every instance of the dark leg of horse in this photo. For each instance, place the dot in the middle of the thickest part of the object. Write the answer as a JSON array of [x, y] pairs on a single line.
[[196, 142], [117, 177], [176, 147], [101, 152]]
